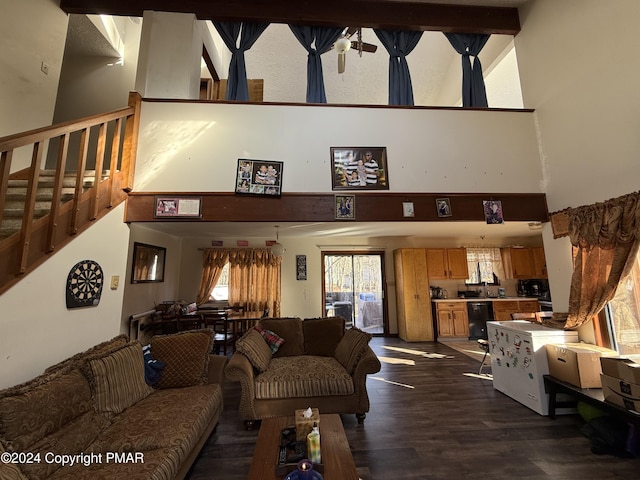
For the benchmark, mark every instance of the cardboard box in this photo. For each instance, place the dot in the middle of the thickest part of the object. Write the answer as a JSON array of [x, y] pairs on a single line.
[[625, 367], [621, 393], [577, 363], [304, 425]]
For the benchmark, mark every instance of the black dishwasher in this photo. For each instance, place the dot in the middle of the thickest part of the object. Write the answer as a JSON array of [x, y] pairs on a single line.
[[479, 313]]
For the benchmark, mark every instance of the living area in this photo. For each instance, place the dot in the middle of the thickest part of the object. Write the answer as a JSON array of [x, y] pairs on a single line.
[[558, 150]]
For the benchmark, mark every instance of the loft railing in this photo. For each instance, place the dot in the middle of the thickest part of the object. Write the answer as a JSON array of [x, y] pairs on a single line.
[[77, 171]]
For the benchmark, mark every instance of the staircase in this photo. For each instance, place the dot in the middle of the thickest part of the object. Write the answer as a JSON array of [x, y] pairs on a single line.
[[43, 209], [15, 199]]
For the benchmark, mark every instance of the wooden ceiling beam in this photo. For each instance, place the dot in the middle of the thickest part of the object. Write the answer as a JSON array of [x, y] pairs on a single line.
[[387, 14]]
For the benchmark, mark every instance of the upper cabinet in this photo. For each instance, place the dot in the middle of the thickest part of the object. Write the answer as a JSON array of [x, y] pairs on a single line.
[[447, 263], [539, 262], [523, 263]]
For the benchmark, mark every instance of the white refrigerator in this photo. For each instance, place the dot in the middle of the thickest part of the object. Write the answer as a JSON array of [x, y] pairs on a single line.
[[519, 359]]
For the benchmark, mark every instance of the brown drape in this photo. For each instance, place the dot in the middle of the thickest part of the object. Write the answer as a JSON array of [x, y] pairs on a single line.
[[254, 277], [604, 237], [214, 260]]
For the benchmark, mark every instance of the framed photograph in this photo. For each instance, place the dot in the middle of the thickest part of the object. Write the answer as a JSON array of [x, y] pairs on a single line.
[[408, 209], [493, 211], [301, 267], [259, 177], [345, 207], [147, 265], [443, 206], [359, 168], [168, 207]]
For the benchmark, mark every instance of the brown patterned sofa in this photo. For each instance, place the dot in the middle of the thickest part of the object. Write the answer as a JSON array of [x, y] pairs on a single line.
[[97, 409], [319, 365]]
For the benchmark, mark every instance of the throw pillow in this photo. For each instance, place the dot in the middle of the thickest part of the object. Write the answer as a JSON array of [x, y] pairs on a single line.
[[290, 329], [253, 346], [350, 348], [117, 379], [273, 339], [186, 357], [152, 367], [322, 335]]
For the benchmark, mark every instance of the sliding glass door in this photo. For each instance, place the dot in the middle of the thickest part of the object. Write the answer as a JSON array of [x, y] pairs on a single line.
[[354, 288]]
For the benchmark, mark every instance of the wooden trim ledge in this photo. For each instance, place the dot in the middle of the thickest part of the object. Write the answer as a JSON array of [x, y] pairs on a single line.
[[319, 207]]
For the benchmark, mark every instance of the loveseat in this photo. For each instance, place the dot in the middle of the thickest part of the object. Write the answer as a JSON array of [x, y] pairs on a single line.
[[93, 416], [286, 364]]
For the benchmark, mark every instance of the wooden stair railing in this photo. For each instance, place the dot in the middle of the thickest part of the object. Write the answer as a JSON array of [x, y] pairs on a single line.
[[54, 204]]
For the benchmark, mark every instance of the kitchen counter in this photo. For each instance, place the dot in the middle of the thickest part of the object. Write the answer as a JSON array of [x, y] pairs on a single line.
[[485, 299]]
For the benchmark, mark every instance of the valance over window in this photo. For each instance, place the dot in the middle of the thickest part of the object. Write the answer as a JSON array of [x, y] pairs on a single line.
[[605, 238]]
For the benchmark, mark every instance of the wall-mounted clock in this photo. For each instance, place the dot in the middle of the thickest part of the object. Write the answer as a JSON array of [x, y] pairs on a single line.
[[84, 284]]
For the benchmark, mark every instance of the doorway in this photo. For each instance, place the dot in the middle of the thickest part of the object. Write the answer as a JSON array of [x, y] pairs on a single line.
[[353, 287]]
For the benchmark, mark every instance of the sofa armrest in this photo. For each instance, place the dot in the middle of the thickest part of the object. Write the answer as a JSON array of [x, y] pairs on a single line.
[[217, 364], [239, 369], [368, 363]]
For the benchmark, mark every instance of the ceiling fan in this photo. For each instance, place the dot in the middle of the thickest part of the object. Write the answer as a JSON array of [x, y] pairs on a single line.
[[344, 44]]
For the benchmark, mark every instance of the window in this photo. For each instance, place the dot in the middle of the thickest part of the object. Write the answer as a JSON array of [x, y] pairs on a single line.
[[623, 312], [221, 290], [485, 266]]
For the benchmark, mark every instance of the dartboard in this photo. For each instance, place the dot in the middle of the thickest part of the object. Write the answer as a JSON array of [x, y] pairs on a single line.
[[84, 284]]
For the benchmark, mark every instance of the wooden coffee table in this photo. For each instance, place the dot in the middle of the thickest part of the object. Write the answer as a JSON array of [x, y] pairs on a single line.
[[334, 448]]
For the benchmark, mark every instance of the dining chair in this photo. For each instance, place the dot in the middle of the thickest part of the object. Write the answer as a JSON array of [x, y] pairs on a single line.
[[224, 337]]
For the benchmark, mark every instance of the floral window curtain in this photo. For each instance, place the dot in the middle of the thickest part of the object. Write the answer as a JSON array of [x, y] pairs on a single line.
[[605, 238], [254, 279], [489, 260]]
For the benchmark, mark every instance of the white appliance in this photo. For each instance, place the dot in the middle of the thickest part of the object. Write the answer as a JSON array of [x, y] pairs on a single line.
[[519, 359]]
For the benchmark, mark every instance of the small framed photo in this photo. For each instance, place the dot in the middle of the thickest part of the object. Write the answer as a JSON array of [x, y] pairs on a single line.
[[259, 177], [178, 207], [345, 207], [301, 267], [493, 211], [443, 206], [359, 168], [408, 209]]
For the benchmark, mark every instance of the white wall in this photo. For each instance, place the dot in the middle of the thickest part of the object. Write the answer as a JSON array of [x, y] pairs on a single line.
[[31, 32], [170, 53], [578, 75], [141, 297], [428, 150], [38, 329], [93, 85]]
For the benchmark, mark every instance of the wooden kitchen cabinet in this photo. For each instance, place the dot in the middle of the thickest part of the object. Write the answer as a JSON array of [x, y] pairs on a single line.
[[528, 306], [447, 263], [524, 263], [413, 303], [539, 262], [452, 319], [503, 309]]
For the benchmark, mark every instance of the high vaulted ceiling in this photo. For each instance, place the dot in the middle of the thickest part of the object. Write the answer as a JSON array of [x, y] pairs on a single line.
[[478, 16]]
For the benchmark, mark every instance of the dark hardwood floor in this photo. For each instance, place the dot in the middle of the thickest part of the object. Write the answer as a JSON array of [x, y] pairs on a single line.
[[432, 417]]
